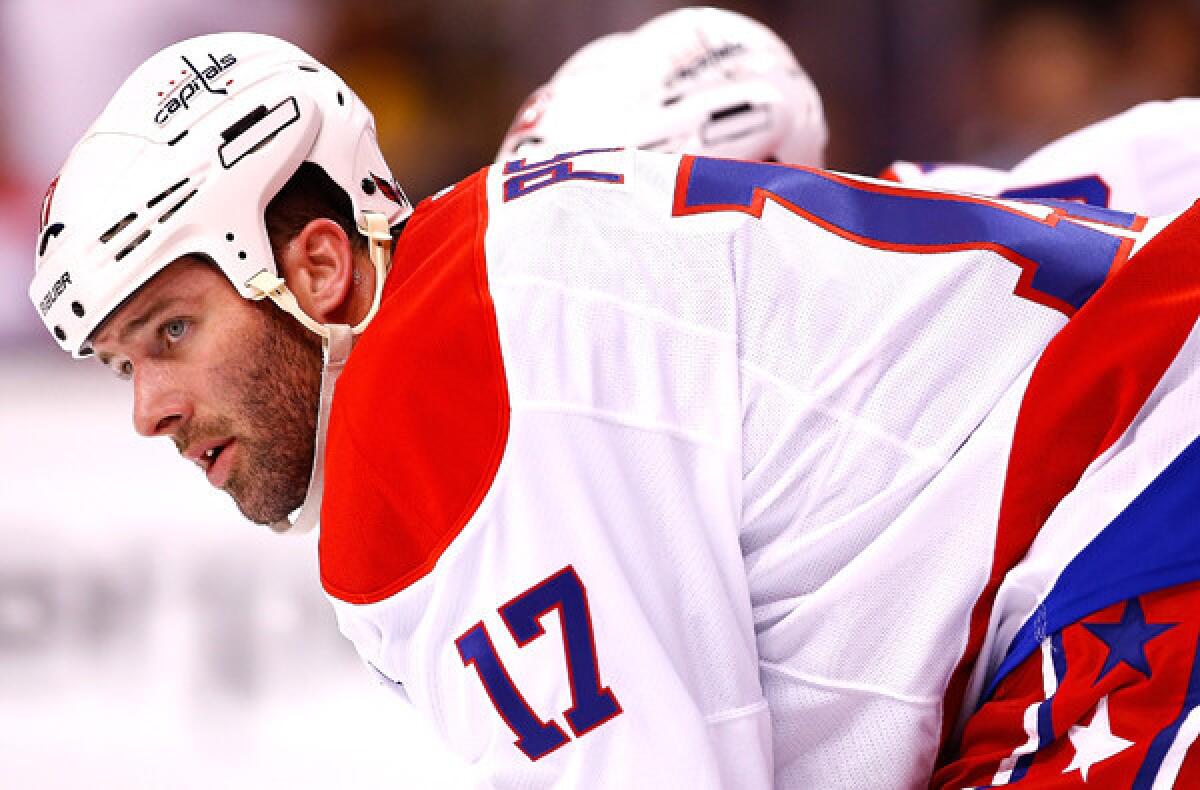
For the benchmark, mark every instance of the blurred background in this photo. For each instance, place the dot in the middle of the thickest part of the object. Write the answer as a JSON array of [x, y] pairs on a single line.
[[149, 638]]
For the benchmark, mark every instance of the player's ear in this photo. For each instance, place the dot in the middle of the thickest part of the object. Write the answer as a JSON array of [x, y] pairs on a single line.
[[318, 266]]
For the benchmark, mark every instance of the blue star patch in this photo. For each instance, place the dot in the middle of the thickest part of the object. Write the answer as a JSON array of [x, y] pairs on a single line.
[[1127, 639]]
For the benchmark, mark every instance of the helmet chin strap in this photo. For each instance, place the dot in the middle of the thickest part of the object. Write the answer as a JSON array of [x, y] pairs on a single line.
[[336, 342]]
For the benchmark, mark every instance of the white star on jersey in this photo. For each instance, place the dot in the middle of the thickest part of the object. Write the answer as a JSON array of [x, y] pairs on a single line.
[[1094, 743]]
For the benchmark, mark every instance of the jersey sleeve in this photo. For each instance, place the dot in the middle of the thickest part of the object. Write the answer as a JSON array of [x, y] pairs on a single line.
[[1091, 678], [559, 589], [1108, 701]]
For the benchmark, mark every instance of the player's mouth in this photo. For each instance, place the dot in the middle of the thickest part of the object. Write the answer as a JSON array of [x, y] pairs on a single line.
[[215, 458]]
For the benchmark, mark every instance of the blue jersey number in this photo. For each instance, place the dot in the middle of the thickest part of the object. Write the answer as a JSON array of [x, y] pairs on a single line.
[[592, 703], [1086, 189], [525, 177], [1063, 262]]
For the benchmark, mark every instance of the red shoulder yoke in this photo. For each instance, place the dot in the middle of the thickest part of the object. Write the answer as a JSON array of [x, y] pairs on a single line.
[[420, 415]]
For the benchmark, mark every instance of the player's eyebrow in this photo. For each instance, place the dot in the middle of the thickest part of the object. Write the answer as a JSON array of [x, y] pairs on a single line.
[[156, 308]]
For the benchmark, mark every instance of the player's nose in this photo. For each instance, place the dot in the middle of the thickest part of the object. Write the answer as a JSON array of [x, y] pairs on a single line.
[[161, 406]]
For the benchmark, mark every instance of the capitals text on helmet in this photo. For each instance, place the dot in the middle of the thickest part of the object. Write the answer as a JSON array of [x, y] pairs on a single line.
[[705, 60], [185, 90]]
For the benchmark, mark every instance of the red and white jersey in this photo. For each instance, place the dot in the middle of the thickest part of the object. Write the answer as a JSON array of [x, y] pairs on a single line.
[[1146, 159], [661, 471], [1090, 667]]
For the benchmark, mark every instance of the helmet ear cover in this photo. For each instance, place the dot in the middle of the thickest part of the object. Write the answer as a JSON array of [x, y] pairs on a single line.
[[147, 186]]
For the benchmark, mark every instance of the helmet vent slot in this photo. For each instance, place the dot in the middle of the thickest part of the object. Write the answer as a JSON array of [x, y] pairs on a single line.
[[48, 234], [120, 226], [171, 211], [729, 112], [255, 130], [133, 244], [523, 142], [735, 123], [307, 67], [667, 102], [247, 120], [161, 196]]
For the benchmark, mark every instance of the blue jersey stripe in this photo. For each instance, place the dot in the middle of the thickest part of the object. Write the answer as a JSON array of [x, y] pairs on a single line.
[[1162, 742], [1045, 711], [1154, 543]]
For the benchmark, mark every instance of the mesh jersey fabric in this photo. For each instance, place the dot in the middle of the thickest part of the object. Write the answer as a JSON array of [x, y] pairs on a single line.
[[769, 450]]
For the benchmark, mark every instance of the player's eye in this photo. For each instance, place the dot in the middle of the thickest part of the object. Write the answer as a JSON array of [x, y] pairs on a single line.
[[175, 329]]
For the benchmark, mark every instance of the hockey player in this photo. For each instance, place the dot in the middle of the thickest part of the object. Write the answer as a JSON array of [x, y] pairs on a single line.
[[661, 471], [698, 80], [1142, 160]]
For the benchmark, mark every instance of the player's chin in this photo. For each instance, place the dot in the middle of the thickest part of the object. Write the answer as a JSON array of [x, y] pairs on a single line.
[[266, 506], [263, 513]]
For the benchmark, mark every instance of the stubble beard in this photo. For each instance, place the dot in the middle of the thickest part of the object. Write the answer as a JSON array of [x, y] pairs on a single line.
[[276, 395]]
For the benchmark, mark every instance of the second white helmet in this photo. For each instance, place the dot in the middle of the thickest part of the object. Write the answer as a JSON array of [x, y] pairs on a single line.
[[694, 80]]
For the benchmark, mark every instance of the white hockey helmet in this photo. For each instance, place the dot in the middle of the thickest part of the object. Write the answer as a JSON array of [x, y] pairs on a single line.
[[184, 160], [694, 80]]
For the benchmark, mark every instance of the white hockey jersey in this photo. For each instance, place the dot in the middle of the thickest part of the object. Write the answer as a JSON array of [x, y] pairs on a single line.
[[671, 472], [1146, 160]]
